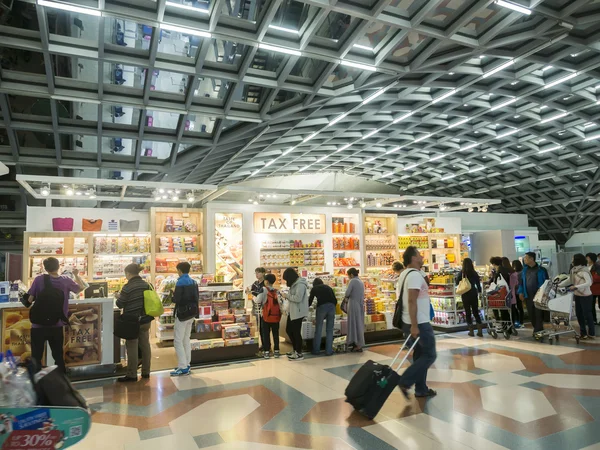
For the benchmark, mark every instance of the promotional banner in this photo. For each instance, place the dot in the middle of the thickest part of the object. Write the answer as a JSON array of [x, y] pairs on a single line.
[[289, 223], [42, 428], [83, 343], [229, 248], [16, 331]]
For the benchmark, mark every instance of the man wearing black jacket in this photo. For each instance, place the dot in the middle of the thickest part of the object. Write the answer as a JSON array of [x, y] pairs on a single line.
[[326, 303]]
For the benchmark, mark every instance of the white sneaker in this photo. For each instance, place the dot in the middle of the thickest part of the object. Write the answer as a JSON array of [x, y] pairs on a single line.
[[296, 357], [266, 355]]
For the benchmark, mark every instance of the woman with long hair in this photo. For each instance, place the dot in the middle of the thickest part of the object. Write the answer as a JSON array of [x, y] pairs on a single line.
[[580, 282], [470, 298], [355, 294]]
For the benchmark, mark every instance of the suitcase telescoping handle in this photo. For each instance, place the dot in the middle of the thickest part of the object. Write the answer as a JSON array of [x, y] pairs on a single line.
[[407, 353]]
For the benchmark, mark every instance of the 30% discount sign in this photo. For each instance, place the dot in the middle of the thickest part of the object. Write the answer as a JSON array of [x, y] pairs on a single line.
[[32, 440]]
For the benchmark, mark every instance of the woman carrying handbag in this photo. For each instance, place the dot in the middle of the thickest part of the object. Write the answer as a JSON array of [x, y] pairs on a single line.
[[133, 316], [469, 287]]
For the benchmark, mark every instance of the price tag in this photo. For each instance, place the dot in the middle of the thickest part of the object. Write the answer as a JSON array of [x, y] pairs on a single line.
[[32, 440]]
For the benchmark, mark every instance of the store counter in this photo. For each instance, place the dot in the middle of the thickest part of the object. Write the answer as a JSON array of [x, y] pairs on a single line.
[[88, 341]]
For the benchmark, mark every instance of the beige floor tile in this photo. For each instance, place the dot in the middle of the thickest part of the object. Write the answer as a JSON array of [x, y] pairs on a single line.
[[179, 441], [100, 434], [516, 402]]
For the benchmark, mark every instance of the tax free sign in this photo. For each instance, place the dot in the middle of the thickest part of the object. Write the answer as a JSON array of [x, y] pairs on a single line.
[[289, 223]]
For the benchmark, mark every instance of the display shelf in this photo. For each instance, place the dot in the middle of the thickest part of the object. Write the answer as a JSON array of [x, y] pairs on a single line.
[[58, 255], [345, 234], [176, 233], [291, 248], [177, 253]]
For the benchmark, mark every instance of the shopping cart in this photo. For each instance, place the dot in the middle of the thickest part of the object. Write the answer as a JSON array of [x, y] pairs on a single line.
[[559, 302], [497, 308]]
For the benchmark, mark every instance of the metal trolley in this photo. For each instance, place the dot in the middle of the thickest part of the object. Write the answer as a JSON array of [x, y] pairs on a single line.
[[499, 324], [560, 304]]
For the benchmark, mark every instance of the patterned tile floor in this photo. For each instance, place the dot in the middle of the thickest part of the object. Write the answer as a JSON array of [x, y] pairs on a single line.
[[492, 394]]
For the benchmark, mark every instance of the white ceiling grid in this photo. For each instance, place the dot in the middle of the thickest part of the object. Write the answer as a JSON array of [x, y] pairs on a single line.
[[436, 97]]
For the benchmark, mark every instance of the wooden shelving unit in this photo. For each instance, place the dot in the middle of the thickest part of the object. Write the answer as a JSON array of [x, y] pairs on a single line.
[[172, 227], [381, 246], [434, 249], [346, 241]]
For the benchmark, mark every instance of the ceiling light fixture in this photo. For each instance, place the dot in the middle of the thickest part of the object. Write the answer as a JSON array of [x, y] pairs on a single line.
[[503, 104], [447, 177], [359, 66], [92, 193], [558, 116], [561, 80], [191, 197], [378, 93], [71, 8], [303, 168], [422, 138], [350, 206], [189, 8], [508, 133], [513, 159], [285, 30], [460, 122], [363, 47], [341, 149], [470, 146], [514, 7], [401, 118], [337, 119], [435, 158], [274, 48], [70, 191], [158, 197], [199, 33], [368, 135], [477, 169], [442, 97], [386, 175], [363, 204], [45, 190], [378, 204], [499, 68], [395, 149], [543, 69], [551, 149], [591, 138], [78, 193], [175, 198], [410, 166], [310, 137]]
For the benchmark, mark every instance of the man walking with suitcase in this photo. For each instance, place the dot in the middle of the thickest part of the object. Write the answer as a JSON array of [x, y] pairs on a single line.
[[416, 321]]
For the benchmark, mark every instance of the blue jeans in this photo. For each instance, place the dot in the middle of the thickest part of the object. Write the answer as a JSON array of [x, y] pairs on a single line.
[[423, 357], [326, 311]]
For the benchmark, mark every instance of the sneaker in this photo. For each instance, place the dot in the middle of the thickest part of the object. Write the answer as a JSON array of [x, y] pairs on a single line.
[[296, 357], [288, 354], [518, 325], [180, 372], [276, 354], [266, 355]]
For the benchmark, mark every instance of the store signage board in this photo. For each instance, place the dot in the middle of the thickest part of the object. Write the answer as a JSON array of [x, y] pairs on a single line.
[[83, 344], [289, 223], [229, 248], [16, 331]]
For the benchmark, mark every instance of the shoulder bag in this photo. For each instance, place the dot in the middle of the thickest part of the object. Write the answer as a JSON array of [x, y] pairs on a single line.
[[397, 319], [464, 286], [127, 326]]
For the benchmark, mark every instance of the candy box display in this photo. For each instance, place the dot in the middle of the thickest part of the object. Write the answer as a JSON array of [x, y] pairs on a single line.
[[235, 295]]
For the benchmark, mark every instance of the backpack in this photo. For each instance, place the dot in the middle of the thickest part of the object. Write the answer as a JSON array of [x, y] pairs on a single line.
[[271, 311], [397, 319], [48, 307]]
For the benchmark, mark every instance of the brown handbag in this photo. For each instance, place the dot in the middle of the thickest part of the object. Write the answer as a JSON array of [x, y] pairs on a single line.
[[91, 224]]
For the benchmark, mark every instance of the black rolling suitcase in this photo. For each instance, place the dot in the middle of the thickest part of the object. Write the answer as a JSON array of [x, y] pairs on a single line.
[[373, 383]]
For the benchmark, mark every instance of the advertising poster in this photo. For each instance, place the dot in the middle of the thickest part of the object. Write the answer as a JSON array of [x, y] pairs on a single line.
[[16, 331], [83, 343], [229, 248], [42, 428]]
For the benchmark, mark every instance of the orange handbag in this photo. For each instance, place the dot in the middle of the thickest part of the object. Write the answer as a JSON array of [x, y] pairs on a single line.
[[91, 224]]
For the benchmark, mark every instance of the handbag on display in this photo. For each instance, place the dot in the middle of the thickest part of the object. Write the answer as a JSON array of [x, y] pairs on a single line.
[[62, 224], [91, 224], [464, 286], [127, 326], [129, 225]]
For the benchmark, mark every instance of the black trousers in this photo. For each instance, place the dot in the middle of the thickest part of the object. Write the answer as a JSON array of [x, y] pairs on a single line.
[[471, 304], [517, 312], [535, 315], [269, 329], [55, 338], [294, 331]]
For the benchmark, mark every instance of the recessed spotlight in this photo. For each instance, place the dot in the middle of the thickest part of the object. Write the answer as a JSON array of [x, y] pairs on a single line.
[[70, 191], [378, 204], [249, 200], [45, 191], [161, 191], [255, 202], [363, 204], [350, 206], [190, 197], [78, 193], [450, 73]]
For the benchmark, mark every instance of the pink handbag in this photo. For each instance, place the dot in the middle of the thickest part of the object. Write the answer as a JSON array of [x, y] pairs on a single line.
[[62, 224]]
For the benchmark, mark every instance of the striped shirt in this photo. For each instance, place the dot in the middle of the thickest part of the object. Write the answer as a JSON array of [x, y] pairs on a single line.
[[132, 297]]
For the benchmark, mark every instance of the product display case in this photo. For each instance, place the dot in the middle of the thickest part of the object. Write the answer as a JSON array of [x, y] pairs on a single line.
[[176, 237], [283, 253], [71, 249], [115, 251], [381, 248], [440, 251], [346, 242]]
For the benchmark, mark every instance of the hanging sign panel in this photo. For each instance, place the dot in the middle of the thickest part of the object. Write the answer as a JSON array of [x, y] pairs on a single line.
[[289, 223]]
